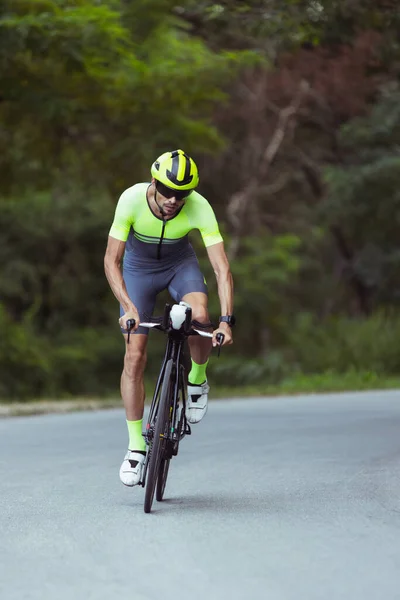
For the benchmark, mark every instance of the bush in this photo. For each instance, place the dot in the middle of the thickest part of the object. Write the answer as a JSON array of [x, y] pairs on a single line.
[[88, 361], [343, 344], [241, 370], [24, 360]]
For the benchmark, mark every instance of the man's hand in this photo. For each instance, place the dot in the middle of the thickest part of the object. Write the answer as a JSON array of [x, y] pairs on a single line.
[[227, 333], [131, 314]]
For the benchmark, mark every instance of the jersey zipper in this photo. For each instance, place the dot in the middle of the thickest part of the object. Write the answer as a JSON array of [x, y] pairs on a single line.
[[161, 239]]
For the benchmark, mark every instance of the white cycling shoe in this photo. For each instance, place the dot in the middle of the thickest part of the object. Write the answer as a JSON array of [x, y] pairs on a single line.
[[197, 402], [131, 469]]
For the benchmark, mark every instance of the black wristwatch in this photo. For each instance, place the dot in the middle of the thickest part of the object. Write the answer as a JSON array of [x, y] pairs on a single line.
[[230, 319]]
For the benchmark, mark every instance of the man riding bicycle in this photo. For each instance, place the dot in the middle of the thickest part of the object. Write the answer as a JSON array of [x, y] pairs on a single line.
[[150, 232]]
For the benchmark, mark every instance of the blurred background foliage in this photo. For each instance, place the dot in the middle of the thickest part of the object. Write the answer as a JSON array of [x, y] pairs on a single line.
[[293, 115]]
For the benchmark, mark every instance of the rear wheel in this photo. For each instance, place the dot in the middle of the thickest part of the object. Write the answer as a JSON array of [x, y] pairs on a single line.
[[156, 469]]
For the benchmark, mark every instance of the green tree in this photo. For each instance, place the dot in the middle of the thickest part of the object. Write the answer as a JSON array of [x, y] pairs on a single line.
[[83, 97], [363, 201]]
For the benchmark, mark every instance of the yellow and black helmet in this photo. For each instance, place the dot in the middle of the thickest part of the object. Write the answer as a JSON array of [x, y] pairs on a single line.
[[176, 170]]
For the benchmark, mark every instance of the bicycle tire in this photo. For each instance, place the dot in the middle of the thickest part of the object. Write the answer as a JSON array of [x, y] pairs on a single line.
[[172, 450], [157, 444], [162, 478]]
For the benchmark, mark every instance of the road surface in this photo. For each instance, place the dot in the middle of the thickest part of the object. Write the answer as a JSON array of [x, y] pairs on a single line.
[[276, 499]]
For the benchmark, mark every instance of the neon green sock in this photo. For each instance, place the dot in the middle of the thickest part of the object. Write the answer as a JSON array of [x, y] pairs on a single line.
[[197, 373], [136, 440]]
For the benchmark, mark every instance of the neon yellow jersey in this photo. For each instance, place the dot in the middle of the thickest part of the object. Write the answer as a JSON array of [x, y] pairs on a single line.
[[145, 233]]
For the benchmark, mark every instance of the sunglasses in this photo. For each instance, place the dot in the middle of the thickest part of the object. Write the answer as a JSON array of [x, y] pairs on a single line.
[[170, 193]]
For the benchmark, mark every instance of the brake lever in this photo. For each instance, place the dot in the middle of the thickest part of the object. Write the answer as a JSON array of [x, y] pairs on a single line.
[[130, 324], [220, 339]]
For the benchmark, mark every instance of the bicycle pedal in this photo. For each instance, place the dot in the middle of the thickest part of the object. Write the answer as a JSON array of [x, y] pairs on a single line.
[[188, 431]]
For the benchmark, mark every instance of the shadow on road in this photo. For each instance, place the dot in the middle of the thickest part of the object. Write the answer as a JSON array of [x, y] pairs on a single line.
[[219, 503]]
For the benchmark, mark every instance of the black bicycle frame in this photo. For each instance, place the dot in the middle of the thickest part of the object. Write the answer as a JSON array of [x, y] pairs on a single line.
[[174, 351]]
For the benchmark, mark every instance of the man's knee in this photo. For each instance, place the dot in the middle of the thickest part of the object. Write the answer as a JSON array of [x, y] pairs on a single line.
[[198, 302], [135, 361], [200, 314]]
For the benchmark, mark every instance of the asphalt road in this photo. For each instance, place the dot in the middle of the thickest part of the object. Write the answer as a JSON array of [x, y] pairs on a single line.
[[274, 499]]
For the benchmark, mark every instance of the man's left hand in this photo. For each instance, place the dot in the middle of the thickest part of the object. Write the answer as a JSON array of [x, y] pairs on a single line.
[[227, 333]]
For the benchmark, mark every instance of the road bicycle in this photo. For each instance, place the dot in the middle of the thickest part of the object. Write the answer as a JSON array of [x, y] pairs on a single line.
[[167, 424]]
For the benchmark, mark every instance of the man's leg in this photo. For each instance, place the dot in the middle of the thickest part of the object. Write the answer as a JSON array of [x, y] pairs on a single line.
[[143, 294], [132, 380], [132, 392], [200, 349]]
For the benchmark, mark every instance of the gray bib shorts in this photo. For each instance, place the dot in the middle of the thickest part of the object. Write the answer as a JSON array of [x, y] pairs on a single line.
[[177, 271]]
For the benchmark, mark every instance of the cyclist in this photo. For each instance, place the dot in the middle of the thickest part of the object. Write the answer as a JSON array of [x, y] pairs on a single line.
[[150, 232]]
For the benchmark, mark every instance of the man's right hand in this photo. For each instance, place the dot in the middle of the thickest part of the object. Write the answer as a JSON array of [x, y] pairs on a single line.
[[131, 314]]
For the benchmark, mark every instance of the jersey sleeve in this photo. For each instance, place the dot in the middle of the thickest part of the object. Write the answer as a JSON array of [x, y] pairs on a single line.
[[123, 218], [202, 217]]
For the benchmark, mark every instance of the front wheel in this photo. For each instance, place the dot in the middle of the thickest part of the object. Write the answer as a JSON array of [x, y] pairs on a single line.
[[162, 478], [158, 444]]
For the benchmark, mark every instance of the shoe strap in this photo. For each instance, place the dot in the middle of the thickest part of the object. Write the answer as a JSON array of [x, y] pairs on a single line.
[[193, 388], [132, 455]]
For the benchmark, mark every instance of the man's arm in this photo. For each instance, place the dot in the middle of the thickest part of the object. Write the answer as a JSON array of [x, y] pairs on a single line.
[[112, 267], [219, 261]]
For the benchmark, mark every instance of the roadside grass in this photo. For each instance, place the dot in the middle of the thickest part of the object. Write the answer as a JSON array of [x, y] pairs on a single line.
[[300, 383], [294, 385]]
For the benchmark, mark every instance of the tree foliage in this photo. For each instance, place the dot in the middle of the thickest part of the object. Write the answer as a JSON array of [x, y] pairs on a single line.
[[83, 83], [293, 116], [364, 199]]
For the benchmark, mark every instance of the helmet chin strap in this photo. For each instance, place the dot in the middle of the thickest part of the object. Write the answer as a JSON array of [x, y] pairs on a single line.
[[160, 208]]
